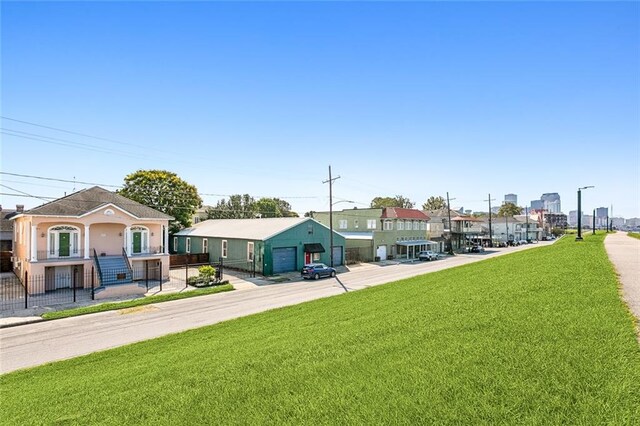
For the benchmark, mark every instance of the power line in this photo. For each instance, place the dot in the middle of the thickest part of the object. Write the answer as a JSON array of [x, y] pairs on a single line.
[[60, 180]]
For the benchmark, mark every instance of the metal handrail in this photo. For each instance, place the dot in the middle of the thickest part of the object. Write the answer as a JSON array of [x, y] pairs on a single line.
[[97, 262], [126, 258]]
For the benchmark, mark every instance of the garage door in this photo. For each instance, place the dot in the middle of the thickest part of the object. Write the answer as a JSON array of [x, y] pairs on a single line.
[[337, 256], [284, 259]]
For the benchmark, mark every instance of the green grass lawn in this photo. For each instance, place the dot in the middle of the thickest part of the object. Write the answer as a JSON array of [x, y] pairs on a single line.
[[112, 306], [634, 235], [536, 337]]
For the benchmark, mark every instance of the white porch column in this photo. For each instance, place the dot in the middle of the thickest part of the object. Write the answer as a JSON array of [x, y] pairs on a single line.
[[34, 243], [165, 229], [86, 242], [127, 237]]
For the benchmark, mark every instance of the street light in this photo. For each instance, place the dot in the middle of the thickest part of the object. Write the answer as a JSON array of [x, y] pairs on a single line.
[[579, 237]]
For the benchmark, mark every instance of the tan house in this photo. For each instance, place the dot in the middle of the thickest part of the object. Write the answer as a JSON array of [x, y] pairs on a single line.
[[93, 229]]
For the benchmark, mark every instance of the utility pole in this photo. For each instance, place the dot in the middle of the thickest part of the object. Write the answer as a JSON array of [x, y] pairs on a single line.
[[579, 237], [330, 181], [490, 234], [526, 213], [450, 230], [594, 222]]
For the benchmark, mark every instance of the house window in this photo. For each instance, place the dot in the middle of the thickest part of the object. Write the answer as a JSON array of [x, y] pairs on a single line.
[[175, 244], [310, 229], [250, 251], [196, 219], [316, 257], [388, 225], [138, 240], [188, 246], [371, 224], [205, 245], [400, 225], [342, 224], [408, 225], [423, 226], [416, 226], [355, 223], [224, 248]]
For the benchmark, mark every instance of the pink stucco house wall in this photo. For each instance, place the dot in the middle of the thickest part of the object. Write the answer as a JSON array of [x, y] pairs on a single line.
[[71, 235]]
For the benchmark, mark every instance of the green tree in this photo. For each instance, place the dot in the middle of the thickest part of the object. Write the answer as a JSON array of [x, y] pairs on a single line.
[[246, 207], [397, 201], [237, 207], [435, 203], [163, 191], [509, 209]]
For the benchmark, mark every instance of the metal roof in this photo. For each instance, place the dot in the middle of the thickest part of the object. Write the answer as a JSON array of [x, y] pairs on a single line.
[[246, 229], [401, 213], [357, 235], [415, 242]]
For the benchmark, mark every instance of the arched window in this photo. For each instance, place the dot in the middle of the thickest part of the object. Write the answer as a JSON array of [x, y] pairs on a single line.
[[63, 241]]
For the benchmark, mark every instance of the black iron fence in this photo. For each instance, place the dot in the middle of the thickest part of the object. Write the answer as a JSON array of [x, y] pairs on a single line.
[[76, 286]]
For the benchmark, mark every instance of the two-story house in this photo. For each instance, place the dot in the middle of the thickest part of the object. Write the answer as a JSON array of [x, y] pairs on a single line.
[[61, 241], [379, 234]]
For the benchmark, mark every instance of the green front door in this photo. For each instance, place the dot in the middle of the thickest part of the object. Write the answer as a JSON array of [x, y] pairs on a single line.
[[63, 244], [137, 242]]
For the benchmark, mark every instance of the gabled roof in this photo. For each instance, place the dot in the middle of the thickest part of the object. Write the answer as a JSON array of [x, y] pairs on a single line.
[[400, 213], [466, 218], [245, 229], [6, 224], [88, 200], [440, 213]]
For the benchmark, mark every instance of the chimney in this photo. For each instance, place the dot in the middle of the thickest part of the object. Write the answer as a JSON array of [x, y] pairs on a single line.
[[20, 208]]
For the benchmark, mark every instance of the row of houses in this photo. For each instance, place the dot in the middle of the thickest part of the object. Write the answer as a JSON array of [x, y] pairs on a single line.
[[99, 230]]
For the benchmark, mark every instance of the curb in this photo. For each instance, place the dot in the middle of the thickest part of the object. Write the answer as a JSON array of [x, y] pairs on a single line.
[[19, 323]]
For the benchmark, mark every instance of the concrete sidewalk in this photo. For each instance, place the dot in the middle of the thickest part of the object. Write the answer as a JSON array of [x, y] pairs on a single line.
[[624, 253]]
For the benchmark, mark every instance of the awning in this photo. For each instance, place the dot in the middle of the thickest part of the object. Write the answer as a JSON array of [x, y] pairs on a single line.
[[313, 248], [415, 242]]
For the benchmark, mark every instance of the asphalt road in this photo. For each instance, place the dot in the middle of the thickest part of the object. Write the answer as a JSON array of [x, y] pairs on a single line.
[[35, 344]]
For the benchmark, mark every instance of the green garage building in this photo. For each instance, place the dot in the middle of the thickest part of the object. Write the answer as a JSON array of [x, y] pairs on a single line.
[[275, 245]]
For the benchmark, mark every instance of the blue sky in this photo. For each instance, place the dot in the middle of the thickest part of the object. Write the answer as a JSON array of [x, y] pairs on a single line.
[[412, 98]]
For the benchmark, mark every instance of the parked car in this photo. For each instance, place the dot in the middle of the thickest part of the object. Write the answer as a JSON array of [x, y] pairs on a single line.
[[428, 255], [317, 270], [476, 249], [522, 242]]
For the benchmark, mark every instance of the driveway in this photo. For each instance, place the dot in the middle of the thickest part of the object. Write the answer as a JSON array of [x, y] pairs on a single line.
[[39, 343]]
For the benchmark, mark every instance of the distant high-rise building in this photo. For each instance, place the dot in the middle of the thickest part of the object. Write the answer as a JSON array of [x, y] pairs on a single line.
[[573, 218], [551, 202], [511, 198], [602, 213], [537, 205]]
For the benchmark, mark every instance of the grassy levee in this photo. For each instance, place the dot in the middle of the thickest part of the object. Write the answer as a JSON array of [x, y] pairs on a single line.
[[635, 235], [536, 337]]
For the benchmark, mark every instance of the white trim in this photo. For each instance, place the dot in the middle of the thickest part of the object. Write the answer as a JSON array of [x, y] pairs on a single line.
[[144, 238], [175, 244], [224, 249], [250, 251], [86, 241], [205, 245], [34, 243], [187, 245], [74, 240]]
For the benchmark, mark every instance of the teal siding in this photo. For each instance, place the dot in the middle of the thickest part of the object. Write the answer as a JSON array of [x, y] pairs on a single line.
[[305, 233]]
